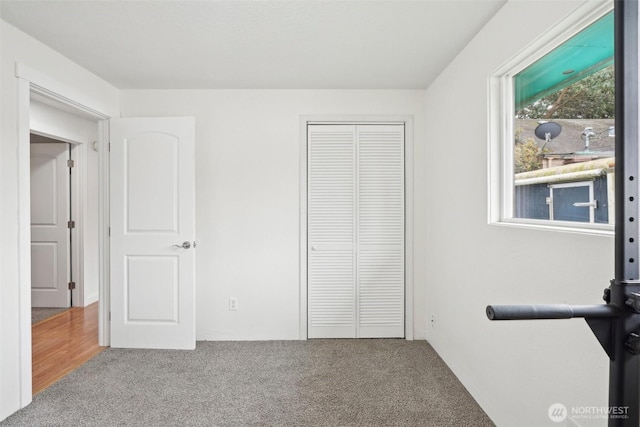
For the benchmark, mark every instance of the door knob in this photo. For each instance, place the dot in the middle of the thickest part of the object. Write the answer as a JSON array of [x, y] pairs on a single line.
[[184, 245]]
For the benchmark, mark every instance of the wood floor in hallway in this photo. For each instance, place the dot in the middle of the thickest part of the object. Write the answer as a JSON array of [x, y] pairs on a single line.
[[62, 343]]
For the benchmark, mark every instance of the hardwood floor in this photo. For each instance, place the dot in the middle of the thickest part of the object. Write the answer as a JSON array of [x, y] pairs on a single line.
[[62, 343]]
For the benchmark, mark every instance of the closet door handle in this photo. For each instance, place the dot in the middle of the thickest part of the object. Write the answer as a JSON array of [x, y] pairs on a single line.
[[184, 245]]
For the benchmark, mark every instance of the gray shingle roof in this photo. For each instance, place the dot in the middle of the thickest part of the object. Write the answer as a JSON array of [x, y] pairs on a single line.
[[570, 140]]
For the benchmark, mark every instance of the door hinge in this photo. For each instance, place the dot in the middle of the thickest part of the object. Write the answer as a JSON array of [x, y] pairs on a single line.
[[70, 163], [72, 285], [109, 315], [109, 147], [71, 224], [109, 231]]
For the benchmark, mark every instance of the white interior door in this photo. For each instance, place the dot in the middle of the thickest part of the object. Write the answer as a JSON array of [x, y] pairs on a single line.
[[331, 231], [152, 233], [380, 233], [356, 226], [49, 227]]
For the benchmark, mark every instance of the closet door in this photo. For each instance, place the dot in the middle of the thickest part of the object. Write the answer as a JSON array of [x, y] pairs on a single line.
[[331, 231], [355, 231], [380, 231]]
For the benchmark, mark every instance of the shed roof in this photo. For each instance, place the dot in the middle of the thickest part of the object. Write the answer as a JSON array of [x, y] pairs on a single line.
[[565, 173]]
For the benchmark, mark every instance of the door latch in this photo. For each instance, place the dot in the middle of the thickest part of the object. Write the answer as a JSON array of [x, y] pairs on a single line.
[[184, 245], [593, 204]]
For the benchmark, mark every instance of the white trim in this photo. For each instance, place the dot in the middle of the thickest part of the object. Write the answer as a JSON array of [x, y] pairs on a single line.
[[500, 175], [104, 291], [76, 99], [303, 313], [78, 209], [354, 119], [408, 170], [29, 80], [558, 226], [408, 218], [24, 241], [355, 122]]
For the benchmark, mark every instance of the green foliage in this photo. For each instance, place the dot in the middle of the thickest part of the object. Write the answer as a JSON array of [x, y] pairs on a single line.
[[527, 156], [590, 98]]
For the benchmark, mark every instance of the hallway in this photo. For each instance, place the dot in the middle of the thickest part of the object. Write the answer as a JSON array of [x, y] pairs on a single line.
[[62, 343]]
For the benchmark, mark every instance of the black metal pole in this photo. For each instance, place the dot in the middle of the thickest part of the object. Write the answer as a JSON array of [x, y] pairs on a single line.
[[624, 367], [550, 311]]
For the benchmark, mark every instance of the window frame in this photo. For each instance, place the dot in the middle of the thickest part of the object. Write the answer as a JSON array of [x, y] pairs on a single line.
[[501, 179]]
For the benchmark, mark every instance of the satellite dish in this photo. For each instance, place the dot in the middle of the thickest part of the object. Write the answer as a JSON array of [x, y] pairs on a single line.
[[547, 131]]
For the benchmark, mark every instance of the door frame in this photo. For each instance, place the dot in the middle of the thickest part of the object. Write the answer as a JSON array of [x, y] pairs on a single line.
[[31, 81], [405, 120]]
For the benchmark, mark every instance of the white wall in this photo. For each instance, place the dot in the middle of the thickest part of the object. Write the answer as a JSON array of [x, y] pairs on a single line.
[[515, 370], [80, 85], [248, 203], [51, 121]]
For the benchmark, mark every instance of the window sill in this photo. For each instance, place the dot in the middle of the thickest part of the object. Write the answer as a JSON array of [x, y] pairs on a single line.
[[558, 226]]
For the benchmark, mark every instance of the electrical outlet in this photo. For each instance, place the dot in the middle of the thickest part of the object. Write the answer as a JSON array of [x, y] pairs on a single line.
[[233, 304]]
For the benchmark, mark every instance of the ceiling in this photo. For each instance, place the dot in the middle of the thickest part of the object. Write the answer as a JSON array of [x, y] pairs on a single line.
[[257, 44]]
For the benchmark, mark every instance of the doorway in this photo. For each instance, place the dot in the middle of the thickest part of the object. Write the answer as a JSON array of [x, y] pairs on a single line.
[[32, 84], [65, 252], [52, 123]]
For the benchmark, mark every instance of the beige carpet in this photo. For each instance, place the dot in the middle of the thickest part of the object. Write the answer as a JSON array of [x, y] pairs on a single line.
[[270, 383]]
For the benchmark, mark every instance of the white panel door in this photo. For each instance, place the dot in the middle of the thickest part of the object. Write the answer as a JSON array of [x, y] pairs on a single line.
[[49, 228], [355, 228], [380, 233], [331, 227], [152, 232]]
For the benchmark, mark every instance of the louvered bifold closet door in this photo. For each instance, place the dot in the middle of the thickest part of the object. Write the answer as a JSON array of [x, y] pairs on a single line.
[[380, 231], [331, 231]]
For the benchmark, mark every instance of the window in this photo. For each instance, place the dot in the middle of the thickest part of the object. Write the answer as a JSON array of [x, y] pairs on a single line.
[[556, 130]]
